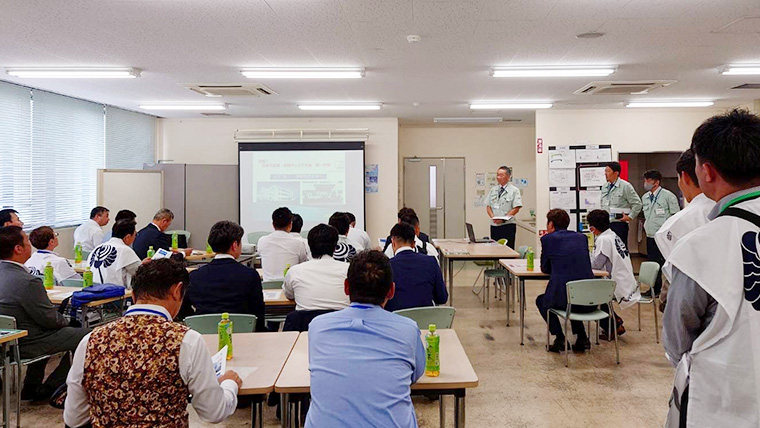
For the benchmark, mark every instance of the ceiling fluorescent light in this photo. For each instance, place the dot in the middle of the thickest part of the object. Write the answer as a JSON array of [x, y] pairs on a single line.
[[75, 72], [195, 107], [509, 106], [553, 71], [740, 69], [304, 73], [467, 119], [344, 106], [647, 104]]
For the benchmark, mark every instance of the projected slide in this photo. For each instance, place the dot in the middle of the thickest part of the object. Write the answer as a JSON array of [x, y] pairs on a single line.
[[312, 179]]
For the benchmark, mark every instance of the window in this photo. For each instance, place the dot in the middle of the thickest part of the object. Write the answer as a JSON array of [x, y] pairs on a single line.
[[51, 147]]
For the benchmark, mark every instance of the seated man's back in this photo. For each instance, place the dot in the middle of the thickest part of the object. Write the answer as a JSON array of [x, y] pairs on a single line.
[[280, 250], [317, 284]]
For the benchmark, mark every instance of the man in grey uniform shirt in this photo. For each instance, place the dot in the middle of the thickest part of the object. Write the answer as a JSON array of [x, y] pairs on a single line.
[[504, 200]]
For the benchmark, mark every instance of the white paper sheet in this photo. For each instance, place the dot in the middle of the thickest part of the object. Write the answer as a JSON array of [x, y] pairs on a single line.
[[561, 158], [505, 218], [564, 199], [561, 178], [593, 177], [244, 372], [591, 199], [593, 155], [219, 360], [272, 294]]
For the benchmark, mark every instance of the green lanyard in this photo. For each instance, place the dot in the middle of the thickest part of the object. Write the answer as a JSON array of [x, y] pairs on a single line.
[[743, 198]]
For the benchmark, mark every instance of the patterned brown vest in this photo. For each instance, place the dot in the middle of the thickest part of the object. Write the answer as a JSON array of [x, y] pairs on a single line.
[[131, 374]]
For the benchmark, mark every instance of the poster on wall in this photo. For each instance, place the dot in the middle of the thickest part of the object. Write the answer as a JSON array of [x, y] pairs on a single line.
[[593, 155], [561, 158], [561, 178], [591, 199], [480, 198], [593, 177], [370, 178], [490, 179], [563, 199], [480, 179]]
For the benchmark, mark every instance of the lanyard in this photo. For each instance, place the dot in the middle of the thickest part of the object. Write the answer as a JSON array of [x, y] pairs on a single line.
[[148, 311], [361, 306], [654, 201], [44, 252], [609, 189]]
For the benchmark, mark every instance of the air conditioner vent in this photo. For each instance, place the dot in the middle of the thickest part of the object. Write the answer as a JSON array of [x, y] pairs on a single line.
[[748, 86], [623, 88], [230, 89]]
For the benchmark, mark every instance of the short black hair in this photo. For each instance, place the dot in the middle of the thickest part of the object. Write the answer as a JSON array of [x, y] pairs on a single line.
[[281, 218], [369, 277], [506, 169], [403, 231], [351, 217], [223, 234], [405, 211], [322, 240], [559, 218], [98, 210], [340, 221], [154, 279], [41, 236], [600, 219], [614, 166], [10, 237], [410, 218], [123, 228], [653, 174], [125, 214], [297, 223], [687, 165], [5, 215], [730, 142]]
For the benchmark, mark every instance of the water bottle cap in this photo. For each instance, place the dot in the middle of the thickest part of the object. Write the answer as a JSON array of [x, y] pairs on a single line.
[[431, 328], [225, 316], [150, 247], [49, 264]]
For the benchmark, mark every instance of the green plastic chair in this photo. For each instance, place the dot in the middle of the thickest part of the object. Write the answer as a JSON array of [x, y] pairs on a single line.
[[305, 234], [522, 250], [253, 237], [73, 283], [647, 276], [441, 316], [274, 284], [587, 292], [207, 324]]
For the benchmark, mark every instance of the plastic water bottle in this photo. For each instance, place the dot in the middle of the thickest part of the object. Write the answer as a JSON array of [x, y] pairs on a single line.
[[285, 272], [87, 277], [175, 240], [531, 256], [151, 252], [432, 352], [78, 253], [209, 250], [48, 278], [225, 334]]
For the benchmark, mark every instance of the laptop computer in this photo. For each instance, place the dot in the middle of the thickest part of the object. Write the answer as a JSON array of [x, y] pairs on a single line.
[[471, 235]]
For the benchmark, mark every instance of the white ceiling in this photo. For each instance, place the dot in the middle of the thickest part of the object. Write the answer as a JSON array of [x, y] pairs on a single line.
[[208, 41]]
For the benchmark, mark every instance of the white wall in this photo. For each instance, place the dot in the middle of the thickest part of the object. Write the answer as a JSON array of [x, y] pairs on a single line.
[[484, 148], [628, 131], [210, 141]]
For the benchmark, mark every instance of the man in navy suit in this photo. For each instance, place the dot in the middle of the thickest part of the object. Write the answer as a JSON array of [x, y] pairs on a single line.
[[224, 285], [153, 234], [565, 256], [418, 277]]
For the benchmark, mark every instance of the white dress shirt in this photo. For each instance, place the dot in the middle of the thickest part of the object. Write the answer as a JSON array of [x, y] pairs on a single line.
[[681, 224], [359, 239], [305, 242], [213, 402], [113, 262], [61, 267], [431, 251], [317, 284], [89, 234], [278, 250]]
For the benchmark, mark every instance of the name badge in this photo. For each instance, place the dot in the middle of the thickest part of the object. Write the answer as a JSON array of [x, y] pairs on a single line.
[[496, 206], [659, 211]]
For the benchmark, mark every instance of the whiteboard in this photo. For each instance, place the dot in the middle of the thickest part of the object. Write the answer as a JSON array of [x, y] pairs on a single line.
[[136, 190]]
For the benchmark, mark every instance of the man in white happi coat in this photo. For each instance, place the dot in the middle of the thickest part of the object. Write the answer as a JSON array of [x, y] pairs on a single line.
[[114, 261], [712, 319]]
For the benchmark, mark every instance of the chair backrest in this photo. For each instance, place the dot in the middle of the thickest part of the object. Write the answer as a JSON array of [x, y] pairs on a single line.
[[274, 284], [7, 322], [590, 292], [85, 256], [522, 250], [253, 237], [300, 320], [207, 324], [648, 273], [73, 283], [441, 316], [305, 234]]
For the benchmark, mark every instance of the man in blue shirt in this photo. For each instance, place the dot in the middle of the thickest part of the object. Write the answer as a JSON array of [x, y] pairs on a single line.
[[364, 359], [417, 277]]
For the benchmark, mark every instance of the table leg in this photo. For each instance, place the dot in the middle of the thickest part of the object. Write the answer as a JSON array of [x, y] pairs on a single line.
[[450, 262], [257, 414], [85, 322], [459, 417], [6, 386], [509, 284], [285, 410], [522, 310], [442, 410]]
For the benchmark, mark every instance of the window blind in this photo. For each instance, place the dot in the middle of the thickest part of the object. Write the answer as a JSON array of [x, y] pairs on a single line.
[[15, 148], [130, 139]]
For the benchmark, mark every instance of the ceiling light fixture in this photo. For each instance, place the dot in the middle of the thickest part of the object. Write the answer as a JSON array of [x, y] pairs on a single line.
[[589, 35], [647, 104], [509, 106], [467, 119], [740, 69], [75, 72], [304, 73], [341, 106], [184, 106], [554, 71]]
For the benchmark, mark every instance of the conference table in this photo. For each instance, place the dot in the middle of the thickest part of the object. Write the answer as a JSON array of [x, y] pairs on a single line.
[[258, 358], [6, 337], [452, 250], [519, 273], [58, 294], [457, 375]]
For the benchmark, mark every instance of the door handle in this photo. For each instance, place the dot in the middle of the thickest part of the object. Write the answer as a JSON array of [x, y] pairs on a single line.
[[436, 208]]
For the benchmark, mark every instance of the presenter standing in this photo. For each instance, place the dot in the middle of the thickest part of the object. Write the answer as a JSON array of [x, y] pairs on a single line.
[[620, 199], [504, 200]]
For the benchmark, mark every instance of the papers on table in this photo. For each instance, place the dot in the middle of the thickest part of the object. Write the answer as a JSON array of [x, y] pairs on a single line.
[[161, 254], [60, 294], [272, 294], [244, 372], [219, 360]]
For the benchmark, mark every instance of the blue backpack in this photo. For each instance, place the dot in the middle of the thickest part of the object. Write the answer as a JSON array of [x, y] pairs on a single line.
[[95, 292]]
